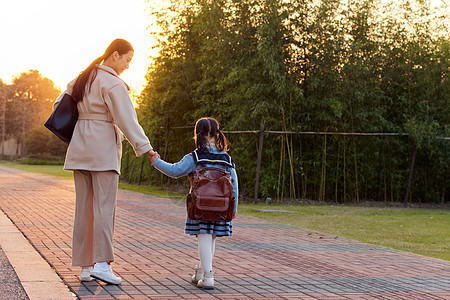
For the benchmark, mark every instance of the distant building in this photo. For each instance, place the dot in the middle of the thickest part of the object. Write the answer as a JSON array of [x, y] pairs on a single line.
[[10, 148]]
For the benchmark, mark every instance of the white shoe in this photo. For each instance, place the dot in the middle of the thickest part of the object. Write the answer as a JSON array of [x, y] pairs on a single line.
[[86, 273], [207, 282], [105, 275], [197, 275]]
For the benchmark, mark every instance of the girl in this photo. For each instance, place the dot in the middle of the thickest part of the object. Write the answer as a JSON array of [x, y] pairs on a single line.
[[211, 150], [94, 156]]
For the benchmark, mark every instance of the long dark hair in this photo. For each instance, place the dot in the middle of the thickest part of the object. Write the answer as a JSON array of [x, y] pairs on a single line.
[[87, 76], [209, 127]]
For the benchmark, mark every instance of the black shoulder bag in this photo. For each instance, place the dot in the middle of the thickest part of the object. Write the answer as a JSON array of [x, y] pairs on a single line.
[[63, 119]]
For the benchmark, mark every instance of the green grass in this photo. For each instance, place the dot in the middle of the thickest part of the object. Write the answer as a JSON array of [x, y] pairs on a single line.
[[53, 170], [421, 231], [152, 190]]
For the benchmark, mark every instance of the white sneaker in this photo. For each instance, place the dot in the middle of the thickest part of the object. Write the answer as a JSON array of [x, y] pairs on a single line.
[[197, 275], [105, 275], [86, 273], [207, 282]]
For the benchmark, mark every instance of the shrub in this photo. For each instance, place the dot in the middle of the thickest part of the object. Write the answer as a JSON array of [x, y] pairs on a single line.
[[32, 161], [41, 142], [37, 140]]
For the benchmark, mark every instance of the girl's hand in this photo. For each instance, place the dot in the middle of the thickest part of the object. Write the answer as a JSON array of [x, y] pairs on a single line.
[[152, 155]]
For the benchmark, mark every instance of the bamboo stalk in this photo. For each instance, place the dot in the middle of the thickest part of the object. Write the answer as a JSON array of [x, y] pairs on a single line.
[[385, 178], [130, 178], [345, 171], [291, 165], [166, 144], [337, 175], [279, 171], [304, 179], [392, 191], [140, 173], [282, 172], [258, 164], [292, 170], [324, 170], [356, 173], [408, 189]]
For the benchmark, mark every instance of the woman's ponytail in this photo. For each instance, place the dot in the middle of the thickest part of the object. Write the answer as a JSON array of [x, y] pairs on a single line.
[[79, 87]]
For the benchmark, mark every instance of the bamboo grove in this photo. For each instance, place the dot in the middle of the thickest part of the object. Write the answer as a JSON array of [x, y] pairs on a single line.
[[302, 65]]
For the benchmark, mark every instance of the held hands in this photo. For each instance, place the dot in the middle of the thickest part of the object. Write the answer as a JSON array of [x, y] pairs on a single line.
[[152, 155]]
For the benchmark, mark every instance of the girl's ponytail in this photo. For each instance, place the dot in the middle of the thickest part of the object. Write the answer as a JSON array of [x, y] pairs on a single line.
[[200, 143], [221, 141], [200, 132]]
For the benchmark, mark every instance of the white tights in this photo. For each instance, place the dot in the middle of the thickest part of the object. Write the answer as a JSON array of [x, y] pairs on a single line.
[[206, 248]]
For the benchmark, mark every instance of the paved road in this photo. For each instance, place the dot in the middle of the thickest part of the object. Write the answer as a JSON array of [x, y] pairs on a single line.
[[263, 260]]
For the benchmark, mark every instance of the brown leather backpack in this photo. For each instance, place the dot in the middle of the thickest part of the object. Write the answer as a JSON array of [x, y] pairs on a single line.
[[211, 197]]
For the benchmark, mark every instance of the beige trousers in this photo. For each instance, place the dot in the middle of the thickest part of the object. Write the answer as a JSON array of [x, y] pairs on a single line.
[[94, 216]]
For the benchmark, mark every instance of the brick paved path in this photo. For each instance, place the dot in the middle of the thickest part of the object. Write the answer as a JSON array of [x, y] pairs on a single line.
[[263, 260]]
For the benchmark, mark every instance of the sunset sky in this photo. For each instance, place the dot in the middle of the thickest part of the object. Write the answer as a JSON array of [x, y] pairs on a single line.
[[60, 38]]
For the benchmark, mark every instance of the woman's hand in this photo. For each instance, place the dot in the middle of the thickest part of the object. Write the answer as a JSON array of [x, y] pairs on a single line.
[[152, 155]]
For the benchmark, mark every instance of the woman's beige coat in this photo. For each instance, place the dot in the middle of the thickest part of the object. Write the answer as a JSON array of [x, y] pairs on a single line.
[[96, 143]]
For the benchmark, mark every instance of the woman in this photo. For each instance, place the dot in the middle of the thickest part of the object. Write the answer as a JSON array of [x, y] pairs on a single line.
[[94, 156]]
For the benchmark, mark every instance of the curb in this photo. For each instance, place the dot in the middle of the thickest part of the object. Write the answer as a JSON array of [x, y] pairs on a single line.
[[36, 276]]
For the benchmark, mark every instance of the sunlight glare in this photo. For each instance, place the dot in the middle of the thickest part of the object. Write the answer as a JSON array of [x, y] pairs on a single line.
[[61, 38]]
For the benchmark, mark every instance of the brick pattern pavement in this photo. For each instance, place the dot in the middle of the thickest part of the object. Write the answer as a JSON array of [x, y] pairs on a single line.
[[263, 260]]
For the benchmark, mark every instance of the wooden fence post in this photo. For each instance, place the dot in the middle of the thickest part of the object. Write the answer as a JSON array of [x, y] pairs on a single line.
[[258, 165]]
